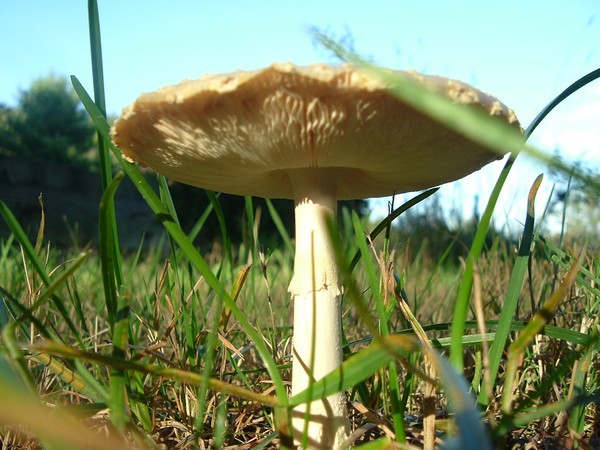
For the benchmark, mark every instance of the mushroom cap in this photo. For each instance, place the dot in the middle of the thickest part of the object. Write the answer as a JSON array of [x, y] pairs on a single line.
[[245, 132]]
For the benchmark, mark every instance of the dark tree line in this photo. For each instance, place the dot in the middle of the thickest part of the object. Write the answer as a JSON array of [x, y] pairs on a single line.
[[48, 124]]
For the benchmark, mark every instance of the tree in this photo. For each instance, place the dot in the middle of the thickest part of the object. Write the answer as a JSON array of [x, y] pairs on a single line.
[[48, 123], [8, 137]]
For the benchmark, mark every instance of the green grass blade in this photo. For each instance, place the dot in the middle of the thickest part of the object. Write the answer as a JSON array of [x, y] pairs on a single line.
[[98, 80], [358, 367], [580, 373], [585, 278], [574, 87], [110, 255], [513, 293], [551, 331], [94, 386], [97, 67], [11, 308], [250, 225], [17, 231], [78, 306], [523, 419], [32, 257], [108, 261], [118, 402], [165, 197], [374, 281], [461, 306], [579, 380], [117, 306], [111, 241]]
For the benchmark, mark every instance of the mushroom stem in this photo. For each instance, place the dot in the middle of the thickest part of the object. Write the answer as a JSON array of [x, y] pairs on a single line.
[[316, 292]]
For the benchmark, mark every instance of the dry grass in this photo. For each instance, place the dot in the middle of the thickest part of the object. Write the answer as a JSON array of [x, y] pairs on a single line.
[[160, 294]]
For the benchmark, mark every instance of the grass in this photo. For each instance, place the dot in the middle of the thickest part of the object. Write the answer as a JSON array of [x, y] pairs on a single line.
[[168, 347], [160, 365]]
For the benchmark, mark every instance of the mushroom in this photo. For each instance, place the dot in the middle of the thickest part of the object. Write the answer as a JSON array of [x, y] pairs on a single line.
[[314, 134]]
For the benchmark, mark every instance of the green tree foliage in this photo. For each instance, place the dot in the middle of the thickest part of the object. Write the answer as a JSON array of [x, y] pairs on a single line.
[[9, 138], [48, 123]]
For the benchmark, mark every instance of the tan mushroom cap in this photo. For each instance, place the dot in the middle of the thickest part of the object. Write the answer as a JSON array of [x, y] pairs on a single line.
[[242, 133]]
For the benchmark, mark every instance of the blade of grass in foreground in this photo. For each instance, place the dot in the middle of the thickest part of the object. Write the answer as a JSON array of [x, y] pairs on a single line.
[[186, 246], [117, 305], [110, 254], [118, 378], [109, 243], [98, 80], [461, 306], [374, 281], [108, 259], [512, 294], [470, 122]]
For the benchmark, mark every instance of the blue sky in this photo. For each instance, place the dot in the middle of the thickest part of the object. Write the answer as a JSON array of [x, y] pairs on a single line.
[[525, 53]]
